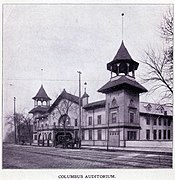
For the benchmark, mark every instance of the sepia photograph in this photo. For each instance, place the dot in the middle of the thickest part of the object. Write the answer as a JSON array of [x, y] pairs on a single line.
[[87, 86]]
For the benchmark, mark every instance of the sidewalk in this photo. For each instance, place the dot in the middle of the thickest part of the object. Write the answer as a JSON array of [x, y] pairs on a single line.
[[157, 150]]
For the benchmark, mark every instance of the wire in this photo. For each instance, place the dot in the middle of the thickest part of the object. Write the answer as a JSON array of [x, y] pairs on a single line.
[[18, 79]]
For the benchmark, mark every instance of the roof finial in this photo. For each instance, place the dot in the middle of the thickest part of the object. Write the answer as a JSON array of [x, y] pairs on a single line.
[[42, 76], [85, 84], [122, 25]]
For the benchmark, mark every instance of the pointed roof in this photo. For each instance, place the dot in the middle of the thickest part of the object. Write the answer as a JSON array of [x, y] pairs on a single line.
[[122, 53], [85, 95], [122, 57], [41, 94]]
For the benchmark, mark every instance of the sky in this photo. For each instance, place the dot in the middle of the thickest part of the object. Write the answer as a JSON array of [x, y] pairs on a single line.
[[64, 39]]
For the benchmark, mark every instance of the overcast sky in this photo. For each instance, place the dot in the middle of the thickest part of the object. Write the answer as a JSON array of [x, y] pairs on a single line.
[[62, 39]]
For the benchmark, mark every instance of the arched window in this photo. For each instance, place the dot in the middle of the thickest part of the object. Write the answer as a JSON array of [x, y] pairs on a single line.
[[148, 107], [44, 103], [131, 102], [68, 122], [114, 102]]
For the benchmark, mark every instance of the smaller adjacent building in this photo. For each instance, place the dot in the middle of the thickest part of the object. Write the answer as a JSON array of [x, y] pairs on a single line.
[[53, 121], [156, 122]]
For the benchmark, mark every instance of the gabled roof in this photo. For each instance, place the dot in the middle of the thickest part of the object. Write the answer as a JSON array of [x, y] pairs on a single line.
[[95, 105], [42, 109], [64, 95], [120, 83], [41, 94]]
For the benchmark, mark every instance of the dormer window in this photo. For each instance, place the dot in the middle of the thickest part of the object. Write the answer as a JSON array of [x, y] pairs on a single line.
[[162, 109], [148, 107]]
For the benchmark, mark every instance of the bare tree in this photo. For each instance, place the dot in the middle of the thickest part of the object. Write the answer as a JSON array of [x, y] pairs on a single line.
[[64, 108], [27, 127], [23, 127], [160, 62]]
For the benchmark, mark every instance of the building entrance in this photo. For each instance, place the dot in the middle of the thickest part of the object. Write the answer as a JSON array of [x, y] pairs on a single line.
[[60, 137], [114, 138]]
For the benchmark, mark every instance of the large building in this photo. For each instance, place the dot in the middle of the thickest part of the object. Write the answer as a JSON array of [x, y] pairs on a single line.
[[120, 120]]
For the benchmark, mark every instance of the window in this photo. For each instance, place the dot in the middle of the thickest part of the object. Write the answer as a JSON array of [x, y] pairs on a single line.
[[160, 122], [83, 135], [169, 134], [99, 119], [131, 117], [155, 121], [114, 117], [169, 122], [164, 134], [35, 137], [76, 122], [90, 121], [46, 124], [99, 134], [161, 109], [44, 103], [114, 102], [148, 107], [148, 120], [160, 134], [90, 134], [147, 134], [155, 134], [35, 126], [42, 126], [164, 122], [131, 135], [131, 102], [68, 122]]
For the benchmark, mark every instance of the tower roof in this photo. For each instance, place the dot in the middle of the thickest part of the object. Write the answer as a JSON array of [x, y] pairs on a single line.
[[122, 82], [40, 109], [85, 95], [122, 57], [41, 95], [122, 53]]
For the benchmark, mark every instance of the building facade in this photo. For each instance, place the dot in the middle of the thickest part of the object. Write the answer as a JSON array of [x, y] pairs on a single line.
[[120, 118]]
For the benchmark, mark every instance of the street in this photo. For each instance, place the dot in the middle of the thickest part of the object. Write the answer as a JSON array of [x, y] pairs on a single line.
[[31, 157]]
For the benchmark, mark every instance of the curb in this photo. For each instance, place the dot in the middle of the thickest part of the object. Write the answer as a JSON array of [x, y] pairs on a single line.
[[127, 150]]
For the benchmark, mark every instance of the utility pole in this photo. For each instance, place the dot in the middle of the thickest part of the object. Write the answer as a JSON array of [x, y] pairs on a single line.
[[108, 116], [15, 119], [79, 134]]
